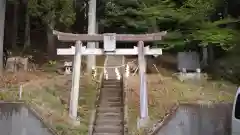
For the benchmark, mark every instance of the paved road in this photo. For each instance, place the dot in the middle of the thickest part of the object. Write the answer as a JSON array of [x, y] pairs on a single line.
[[199, 120], [16, 119]]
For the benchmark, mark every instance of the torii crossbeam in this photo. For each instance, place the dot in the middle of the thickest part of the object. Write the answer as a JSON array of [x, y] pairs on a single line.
[[109, 40]]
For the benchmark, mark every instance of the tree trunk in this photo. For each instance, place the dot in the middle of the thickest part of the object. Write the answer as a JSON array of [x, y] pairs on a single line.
[[210, 54], [15, 25], [2, 24], [51, 49], [204, 57], [27, 38]]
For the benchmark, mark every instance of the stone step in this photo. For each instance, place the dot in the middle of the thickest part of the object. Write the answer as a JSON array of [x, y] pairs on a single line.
[[110, 105], [104, 121], [109, 115], [112, 99], [112, 89], [107, 133], [111, 79], [106, 96], [111, 82], [105, 101], [108, 100], [108, 129], [111, 86], [109, 109], [112, 94], [101, 117]]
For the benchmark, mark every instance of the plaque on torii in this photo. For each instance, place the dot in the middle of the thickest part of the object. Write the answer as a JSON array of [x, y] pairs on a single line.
[[109, 40]]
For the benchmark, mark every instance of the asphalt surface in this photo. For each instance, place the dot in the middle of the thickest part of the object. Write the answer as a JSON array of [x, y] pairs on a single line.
[[17, 119], [199, 120]]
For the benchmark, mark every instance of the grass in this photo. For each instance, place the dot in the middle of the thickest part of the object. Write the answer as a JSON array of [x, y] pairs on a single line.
[[166, 92], [50, 98]]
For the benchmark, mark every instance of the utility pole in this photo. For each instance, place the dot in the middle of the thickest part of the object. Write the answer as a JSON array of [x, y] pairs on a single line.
[[2, 26], [91, 59]]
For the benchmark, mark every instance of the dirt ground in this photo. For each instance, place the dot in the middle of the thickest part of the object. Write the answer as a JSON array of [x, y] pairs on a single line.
[[11, 79]]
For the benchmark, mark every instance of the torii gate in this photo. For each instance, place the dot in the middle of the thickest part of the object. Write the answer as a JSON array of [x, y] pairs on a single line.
[[109, 40]]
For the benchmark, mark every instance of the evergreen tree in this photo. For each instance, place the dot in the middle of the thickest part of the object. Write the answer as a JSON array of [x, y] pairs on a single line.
[[186, 21]]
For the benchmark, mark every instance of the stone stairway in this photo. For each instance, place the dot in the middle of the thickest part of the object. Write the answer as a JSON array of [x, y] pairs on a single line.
[[110, 109]]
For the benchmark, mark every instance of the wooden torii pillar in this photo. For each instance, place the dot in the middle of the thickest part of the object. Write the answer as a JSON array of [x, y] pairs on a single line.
[[109, 40]]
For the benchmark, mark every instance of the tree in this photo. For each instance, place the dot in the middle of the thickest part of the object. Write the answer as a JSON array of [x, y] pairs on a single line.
[[27, 38], [15, 23], [207, 25], [2, 24], [185, 21], [54, 14]]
